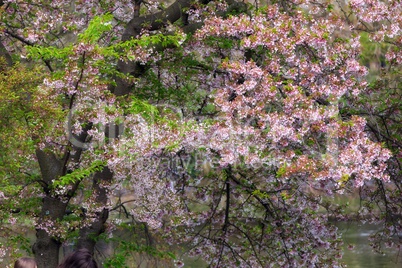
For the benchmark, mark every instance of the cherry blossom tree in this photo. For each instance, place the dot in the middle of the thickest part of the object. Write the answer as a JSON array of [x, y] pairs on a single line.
[[380, 26], [224, 120]]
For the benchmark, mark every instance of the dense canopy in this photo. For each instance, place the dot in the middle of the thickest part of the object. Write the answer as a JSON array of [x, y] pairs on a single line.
[[220, 130]]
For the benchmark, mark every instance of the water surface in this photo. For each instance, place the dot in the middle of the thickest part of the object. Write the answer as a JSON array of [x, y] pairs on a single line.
[[362, 256]]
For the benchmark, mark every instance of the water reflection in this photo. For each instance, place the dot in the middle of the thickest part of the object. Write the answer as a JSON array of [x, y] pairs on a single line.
[[362, 255]]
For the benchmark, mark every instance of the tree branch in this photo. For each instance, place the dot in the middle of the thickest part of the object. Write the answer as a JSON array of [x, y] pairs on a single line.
[[29, 43]]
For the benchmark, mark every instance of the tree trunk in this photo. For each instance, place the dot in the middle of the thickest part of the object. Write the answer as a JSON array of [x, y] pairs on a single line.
[[46, 248], [88, 235]]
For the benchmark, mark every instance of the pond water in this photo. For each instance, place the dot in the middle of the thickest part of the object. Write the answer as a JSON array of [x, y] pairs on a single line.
[[362, 256]]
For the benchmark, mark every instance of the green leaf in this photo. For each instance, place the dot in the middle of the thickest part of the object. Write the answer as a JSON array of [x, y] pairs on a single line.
[[96, 28], [79, 174]]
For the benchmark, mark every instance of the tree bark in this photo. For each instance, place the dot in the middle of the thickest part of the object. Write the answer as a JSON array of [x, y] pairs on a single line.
[[46, 248], [88, 234]]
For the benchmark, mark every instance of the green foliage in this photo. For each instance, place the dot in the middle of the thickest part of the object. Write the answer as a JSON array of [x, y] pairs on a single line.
[[22, 241], [10, 189], [344, 179], [136, 106], [126, 251], [118, 260], [281, 171], [89, 41], [145, 41], [373, 54], [49, 53], [98, 26], [221, 42], [24, 115], [383, 95], [258, 193], [79, 174]]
